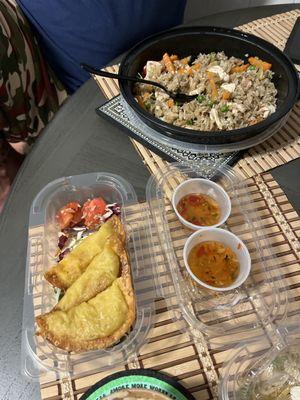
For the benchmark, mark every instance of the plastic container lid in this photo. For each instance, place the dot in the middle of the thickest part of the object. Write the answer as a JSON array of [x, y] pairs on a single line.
[[40, 359], [155, 240], [223, 317], [265, 369]]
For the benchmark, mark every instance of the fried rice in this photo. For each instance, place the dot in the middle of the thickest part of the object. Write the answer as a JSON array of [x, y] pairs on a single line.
[[230, 93]]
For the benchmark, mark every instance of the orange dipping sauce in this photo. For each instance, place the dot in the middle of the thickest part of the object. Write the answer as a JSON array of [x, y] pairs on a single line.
[[199, 209], [214, 263]]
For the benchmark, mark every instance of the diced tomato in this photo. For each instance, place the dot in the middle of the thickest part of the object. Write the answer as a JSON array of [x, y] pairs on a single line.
[[198, 222], [193, 199], [69, 215], [92, 212], [77, 217], [196, 199], [182, 211], [64, 220], [201, 251]]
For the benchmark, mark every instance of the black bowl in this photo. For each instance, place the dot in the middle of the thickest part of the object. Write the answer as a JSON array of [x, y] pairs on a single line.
[[194, 40]]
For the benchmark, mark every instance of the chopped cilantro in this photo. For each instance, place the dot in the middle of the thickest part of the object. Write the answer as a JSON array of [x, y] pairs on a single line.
[[200, 98], [224, 108], [190, 122]]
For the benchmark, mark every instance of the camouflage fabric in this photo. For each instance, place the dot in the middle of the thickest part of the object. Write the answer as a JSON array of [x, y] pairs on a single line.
[[30, 93]]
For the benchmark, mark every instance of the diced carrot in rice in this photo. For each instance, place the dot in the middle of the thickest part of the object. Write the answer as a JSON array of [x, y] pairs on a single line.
[[226, 95], [181, 71], [213, 86], [146, 95], [193, 69], [196, 67], [240, 68], [185, 60], [168, 63], [140, 101], [170, 103], [259, 63]]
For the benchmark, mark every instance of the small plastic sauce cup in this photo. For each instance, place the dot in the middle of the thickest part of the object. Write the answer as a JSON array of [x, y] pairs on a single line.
[[228, 239], [202, 186]]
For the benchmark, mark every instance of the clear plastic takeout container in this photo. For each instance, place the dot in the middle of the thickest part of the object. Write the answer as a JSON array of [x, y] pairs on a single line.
[[40, 359], [224, 318], [155, 242], [264, 369]]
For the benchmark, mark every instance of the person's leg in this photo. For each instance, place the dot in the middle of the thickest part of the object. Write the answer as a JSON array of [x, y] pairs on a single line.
[[10, 162], [29, 92]]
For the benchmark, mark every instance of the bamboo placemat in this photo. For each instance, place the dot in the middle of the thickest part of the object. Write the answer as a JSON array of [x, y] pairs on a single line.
[[283, 147], [194, 362]]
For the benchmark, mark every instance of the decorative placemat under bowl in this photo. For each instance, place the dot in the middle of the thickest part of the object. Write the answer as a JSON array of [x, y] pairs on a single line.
[[116, 111], [281, 148]]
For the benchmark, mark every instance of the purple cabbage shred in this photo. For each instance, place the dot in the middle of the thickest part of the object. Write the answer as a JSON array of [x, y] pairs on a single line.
[[115, 208], [110, 210], [63, 254], [62, 241]]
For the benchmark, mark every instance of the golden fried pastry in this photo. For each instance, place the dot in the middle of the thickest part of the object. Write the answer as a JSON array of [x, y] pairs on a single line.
[[98, 323], [65, 273], [100, 273]]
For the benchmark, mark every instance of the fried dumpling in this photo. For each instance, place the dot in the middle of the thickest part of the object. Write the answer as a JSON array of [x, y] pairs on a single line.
[[65, 273], [97, 323], [100, 273]]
